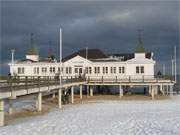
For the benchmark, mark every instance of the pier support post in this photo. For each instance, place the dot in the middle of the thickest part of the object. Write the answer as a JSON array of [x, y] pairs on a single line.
[[72, 94], [167, 89], [150, 90], [153, 92], [91, 91], [60, 98], [120, 91], [171, 90], [162, 89], [39, 101], [156, 90], [10, 106], [54, 95], [87, 88], [1, 113], [80, 91]]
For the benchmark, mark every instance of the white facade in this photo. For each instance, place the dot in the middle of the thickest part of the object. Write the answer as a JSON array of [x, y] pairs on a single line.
[[137, 67]]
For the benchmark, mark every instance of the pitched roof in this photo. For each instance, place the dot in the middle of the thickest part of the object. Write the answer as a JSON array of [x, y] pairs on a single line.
[[91, 54]]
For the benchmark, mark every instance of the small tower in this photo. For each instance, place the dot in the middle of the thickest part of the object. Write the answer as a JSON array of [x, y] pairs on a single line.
[[32, 53], [140, 51]]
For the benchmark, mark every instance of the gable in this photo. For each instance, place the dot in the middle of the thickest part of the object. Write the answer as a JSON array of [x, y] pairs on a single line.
[[77, 60]]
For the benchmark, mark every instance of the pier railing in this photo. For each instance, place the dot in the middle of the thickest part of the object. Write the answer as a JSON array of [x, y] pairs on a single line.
[[28, 82], [135, 78]]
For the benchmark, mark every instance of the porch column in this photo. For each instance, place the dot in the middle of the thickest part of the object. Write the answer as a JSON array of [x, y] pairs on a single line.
[[91, 91], [60, 98], [39, 101], [1, 112], [120, 91], [10, 106], [152, 92], [72, 94], [80, 91]]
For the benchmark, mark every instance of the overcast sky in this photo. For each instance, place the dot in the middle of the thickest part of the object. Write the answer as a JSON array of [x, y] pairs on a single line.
[[110, 26]]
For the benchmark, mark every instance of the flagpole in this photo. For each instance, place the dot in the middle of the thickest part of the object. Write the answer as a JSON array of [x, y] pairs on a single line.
[[60, 76], [60, 56], [175, 77]]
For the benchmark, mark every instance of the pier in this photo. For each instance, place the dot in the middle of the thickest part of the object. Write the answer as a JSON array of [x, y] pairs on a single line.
[[48, 85]]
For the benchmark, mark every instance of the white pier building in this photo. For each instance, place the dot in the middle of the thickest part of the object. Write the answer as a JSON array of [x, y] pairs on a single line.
[[91, 63]]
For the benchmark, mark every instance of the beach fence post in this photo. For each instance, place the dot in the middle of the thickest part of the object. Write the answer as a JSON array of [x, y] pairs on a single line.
[[39, 101], [60, 98], [80, 91], [120, 91], [72, 94], [91, 91], [1, 112]]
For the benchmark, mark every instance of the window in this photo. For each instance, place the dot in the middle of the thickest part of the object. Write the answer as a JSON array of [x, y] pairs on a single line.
[[142, 69], [106, 70], [119, 69], [114, 69], [95, 70], [111, 69], [86, 70], [80, 70], [103, 70], [36, 70], [70, 70], [44, 69], [59, 69], [137, 69], [54, 69], [123, 70], [98, 70], [76, 70], [90, 70], [67, 70], [50, 70], [20, 70]]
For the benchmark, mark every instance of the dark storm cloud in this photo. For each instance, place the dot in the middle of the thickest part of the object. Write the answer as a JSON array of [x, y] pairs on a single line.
[[110, 26]]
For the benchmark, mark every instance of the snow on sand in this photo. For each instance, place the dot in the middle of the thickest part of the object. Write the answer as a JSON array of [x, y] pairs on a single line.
[[104, 118]]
